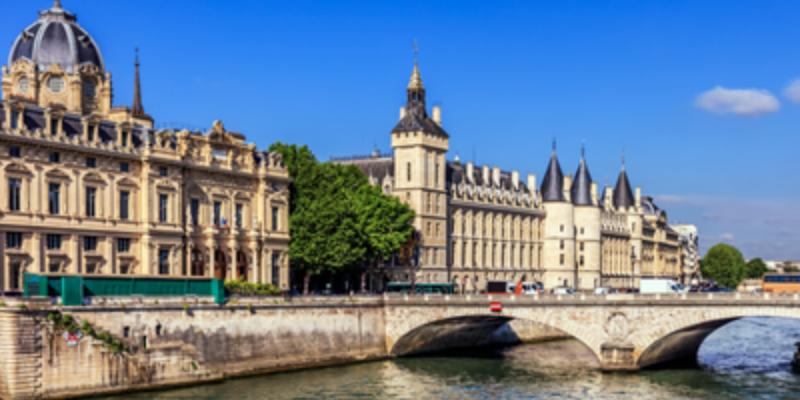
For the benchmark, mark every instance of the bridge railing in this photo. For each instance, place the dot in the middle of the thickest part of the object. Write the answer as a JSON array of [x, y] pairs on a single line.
[[614, 297]]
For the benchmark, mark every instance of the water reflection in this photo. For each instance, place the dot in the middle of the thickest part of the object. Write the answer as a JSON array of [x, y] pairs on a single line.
[[747, 359]]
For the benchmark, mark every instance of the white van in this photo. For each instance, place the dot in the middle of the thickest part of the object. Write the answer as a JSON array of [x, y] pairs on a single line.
[[659, 286]]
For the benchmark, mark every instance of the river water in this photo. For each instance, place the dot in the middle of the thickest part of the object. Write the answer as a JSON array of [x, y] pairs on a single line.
[[747, 359]]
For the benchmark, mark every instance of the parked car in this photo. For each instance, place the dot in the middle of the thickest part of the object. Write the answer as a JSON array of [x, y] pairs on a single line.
[[563, 290]]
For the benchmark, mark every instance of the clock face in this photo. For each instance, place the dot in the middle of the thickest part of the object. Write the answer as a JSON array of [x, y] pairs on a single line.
[[23, 85], [56, 84], [89, 89]]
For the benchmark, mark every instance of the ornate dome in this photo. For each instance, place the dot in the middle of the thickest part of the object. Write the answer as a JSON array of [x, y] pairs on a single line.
[[56, 38]]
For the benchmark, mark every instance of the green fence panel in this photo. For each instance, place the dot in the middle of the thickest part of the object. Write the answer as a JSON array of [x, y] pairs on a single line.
[[72, 290], [54, 286], [159, 287], [31, 285], [199, 288], [108, 286], [218, 291]]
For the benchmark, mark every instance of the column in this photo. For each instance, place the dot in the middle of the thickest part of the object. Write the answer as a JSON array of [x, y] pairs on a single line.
[[253, 275], [111, 260], [37, 265]]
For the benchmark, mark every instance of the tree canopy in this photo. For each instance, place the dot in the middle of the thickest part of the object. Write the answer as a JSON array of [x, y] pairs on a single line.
[[756, 268], [724, 264], [338, 219]]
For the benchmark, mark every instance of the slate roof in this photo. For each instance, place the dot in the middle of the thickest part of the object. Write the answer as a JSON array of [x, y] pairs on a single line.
[[623, 197], [56, 38], [581, 191], [553, 183], [417, 119]]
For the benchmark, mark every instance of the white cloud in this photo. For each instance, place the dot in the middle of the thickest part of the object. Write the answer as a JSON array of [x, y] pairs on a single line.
[[792, 92], [726, 236], [747, 102]]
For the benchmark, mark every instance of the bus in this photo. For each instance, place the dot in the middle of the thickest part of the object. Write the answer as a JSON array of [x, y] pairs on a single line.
[[777, 283], [428, 288]]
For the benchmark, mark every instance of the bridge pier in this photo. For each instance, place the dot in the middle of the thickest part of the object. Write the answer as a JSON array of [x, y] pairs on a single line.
[[618, 357]]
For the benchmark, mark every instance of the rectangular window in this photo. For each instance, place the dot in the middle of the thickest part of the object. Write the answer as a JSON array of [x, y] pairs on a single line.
[[217, 211], [14, 194], [14, 151], [13, 240], [124, 205], [581, 246], [562, 228], [55, 157], [562, 259], [90, 136], [91, 162], [124, 139], [163, 262], [581, 261], [276, 270], [408, 165], [15, 276], [91, 201], [124, 269], [276, 187], [275, 221], [54, 268], [162, 207], [195, 210], [14, 120], [55, 198], [91, 268], [53, 242], [239, 211], [124, 167], [562, 245], [123, 245], [163, 171], [89, 243], [53, 126]]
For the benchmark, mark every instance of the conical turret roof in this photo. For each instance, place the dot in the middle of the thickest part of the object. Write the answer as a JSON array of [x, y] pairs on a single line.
[[581, 191], [553, 183], [623, 197]]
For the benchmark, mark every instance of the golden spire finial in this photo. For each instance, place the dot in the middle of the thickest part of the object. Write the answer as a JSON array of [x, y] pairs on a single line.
[[57, 5], [416, 79]]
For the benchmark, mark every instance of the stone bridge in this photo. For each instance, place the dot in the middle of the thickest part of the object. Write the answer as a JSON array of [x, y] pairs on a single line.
[[625, 332]]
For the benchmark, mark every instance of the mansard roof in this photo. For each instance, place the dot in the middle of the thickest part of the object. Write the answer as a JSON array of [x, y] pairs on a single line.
[[623, 197], [553, 183], [416, 120], [581, 191]]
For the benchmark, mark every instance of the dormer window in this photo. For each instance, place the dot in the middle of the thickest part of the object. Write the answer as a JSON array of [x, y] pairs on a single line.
[[125, 139], [54, 126], [90, 133], [14, 120], [56, 84], [23, 85], [219, 154], [89, 90]]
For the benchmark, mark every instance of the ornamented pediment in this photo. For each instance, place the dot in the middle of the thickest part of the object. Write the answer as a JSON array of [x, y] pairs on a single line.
[[17, 168], [166, 184], [95, 177], [127, 182], [57, 174], [89, 69], [55, 69], [219, 134]]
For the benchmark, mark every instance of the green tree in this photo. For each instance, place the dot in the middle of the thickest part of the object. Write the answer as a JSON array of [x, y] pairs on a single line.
[[724, 264], [788, 266], [338, 220], [756, 268]]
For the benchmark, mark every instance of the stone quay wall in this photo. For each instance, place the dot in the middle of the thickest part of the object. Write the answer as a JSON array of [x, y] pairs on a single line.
[[176, 343]]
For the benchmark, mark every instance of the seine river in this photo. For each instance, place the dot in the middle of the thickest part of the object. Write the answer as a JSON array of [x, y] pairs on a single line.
[[747, 359]]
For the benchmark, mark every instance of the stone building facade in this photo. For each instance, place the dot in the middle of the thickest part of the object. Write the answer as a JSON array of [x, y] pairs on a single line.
[[480, 223], [87, 188]]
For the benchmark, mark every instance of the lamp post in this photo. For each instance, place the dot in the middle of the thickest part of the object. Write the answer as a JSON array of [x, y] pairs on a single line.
[[633, 270]]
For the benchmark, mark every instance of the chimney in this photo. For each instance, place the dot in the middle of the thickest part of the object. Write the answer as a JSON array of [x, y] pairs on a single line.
[[471, 172], [515, 179], [594, 193], [532, 183], [609, 197], [568, 187], [496, 176], [486, 175], [638, 197], [402, 112], [437, 115]]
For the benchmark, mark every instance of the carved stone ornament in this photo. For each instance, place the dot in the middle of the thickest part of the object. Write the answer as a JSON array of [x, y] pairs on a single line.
[[618, 327]]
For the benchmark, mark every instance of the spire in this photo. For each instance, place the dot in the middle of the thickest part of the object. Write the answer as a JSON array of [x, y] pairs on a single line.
[[623, 196], [57, 5], [416, 90], [416, 78], [138, 108], [553, 183], [581, 191]]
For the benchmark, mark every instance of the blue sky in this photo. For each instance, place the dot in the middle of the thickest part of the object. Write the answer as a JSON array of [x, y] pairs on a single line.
[[698, 93]]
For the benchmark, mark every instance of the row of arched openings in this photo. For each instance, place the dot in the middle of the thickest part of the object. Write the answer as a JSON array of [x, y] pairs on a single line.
[[220, 264]]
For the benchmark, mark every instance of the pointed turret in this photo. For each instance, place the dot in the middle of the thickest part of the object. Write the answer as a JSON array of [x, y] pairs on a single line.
[[581, 191], [623, 196], [553, 183], [138, 108]]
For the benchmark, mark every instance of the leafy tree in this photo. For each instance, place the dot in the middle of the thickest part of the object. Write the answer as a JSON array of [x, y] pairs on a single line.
[[788, 266], [338, 220], [724, 264], [756, 268]]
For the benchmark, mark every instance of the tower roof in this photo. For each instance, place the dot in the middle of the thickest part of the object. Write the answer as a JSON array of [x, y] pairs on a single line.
[[581, 191], [623, 197], [56, 38], [553, 183], [138, 107], [416, 118], [416, 79]]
